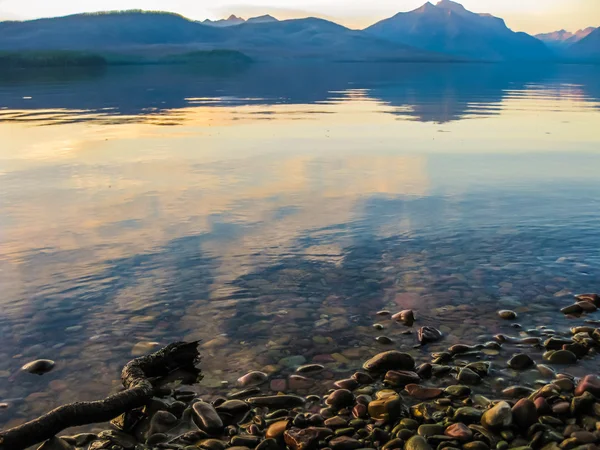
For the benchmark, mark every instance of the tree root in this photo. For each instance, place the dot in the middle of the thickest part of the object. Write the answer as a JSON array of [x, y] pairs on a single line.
[[139, 377]]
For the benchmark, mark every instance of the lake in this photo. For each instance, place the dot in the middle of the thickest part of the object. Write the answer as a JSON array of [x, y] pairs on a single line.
[[272, 212]]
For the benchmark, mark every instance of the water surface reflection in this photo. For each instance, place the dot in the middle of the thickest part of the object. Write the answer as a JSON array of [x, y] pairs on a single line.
[[282, 209]]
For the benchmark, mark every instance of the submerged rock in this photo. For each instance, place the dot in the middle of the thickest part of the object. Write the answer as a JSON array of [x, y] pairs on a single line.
[[277, 401], [427, 335], [392, 360], [39, 367], [407, 317], [417, 443], [340, 399], [589, 383], [521, 361], [497, 417], [401, 378], [507, 314], [561, 357], [524, 413], [459, 431], [305, 439], [56, 443], [207, 418], [253, 378]]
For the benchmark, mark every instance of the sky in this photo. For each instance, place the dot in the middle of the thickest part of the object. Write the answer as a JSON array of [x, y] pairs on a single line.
[[532, 16]]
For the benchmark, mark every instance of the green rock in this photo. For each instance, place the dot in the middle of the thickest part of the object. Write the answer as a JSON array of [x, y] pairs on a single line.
[[417, 443], [430, 430]]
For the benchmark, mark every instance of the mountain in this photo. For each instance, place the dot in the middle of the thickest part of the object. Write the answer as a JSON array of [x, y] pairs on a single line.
[[448, 27], [232, 20], [587, 49], [155, 34], [312, 38], [562, 38], [103, 31], [262, 19]]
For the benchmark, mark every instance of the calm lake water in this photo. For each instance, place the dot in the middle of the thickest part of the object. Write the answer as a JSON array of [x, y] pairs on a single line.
[[271, 213]]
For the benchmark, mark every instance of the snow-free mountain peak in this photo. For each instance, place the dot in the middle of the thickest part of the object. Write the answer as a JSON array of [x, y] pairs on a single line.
[[448, 27]]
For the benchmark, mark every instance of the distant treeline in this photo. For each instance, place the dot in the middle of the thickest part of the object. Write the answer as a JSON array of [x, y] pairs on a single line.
[[39, 59], [20, 60]]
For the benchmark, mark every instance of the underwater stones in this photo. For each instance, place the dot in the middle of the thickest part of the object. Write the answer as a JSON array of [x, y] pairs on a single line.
[[245, 440], [407, 317], [348, 383], [384, 340], [556, 343], [391, 360], [422, 392], [39, 366], [305, 439], [400, 378], [467, 414], [560, 357], [481, 368], [336, 422], [592, 298], [425, 370], [233, 407], [458, 391], [254, 378], [417, 443], [575, 308], [362, 378], [388, 408], [344, 443], [141, 348], [277, 401], [524, 413], [161, 422], [468, 376], [497, 417], [427, 430], [268, 444], [56, 443], [292, 361], [459, 349], [459, 431], [340, 398], [589, 383], [520, 361], [507, 314], [310, 368], [428, 334], [207, 418]]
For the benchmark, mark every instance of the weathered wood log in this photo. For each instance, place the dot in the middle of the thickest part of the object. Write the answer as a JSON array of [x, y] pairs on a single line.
[[140, 377]]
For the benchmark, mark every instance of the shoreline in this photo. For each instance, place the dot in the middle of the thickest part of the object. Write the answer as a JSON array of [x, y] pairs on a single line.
[[395, 401]]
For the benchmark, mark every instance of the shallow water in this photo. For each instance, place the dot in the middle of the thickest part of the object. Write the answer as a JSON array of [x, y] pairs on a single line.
[[272, 213]]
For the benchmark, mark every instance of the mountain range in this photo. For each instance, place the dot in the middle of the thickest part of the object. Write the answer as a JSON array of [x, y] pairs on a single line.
[[450, 28], [563, 38], [442, 32], [235, 20]]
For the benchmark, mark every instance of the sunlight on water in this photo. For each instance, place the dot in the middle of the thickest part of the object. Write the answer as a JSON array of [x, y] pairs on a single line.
[[272, 213]]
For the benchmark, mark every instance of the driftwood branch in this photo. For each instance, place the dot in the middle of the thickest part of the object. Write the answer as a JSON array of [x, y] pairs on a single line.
[[139, 378]]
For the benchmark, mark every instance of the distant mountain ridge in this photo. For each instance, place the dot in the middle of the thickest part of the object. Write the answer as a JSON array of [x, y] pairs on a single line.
[[233, 20], [156, 34], [564, 37], [446, 31], [448, 27]]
